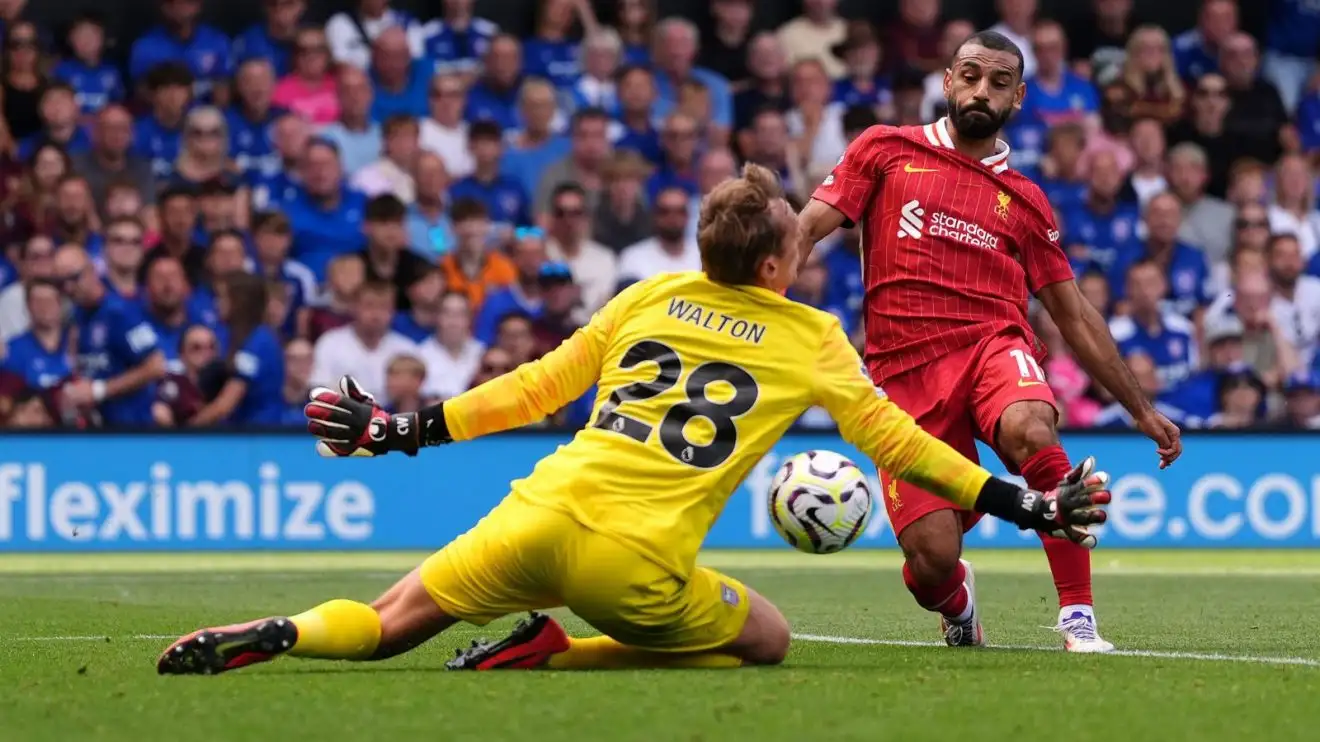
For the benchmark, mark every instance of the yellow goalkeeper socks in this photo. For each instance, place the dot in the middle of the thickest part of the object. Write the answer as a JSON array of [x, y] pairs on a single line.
[[604, 653], [337, 630]]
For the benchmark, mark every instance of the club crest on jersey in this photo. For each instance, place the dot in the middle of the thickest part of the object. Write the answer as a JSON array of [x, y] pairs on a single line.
[[1001, 210]]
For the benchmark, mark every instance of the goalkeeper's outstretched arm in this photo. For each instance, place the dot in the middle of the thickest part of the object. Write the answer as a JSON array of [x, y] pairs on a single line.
[[871, 422]]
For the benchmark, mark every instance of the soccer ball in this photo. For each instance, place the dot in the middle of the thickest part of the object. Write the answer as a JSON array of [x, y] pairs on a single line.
[[820, 502]]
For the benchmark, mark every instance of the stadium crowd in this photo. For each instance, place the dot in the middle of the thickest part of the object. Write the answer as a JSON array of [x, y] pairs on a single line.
[[198, 236]]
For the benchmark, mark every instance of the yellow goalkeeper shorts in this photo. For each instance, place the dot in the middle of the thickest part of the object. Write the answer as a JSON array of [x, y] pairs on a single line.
[[524, 557]]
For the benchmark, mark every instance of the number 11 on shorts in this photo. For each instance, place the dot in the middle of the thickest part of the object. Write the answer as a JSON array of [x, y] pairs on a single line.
[[1030, 371]]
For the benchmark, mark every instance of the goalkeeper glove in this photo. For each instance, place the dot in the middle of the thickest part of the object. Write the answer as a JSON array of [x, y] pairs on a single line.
[[1064, 512], [349, 422]]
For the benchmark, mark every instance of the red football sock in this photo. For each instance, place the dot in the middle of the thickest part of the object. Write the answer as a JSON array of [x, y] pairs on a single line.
[[949, 598], [1070, 564]]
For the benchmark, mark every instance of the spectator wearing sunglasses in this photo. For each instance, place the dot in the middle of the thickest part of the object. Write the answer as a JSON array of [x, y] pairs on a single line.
[[309, 90], [1204, 126], [594, 266], [179, 395], [118, 354], [494, 362], [123, 254], [181, 38]]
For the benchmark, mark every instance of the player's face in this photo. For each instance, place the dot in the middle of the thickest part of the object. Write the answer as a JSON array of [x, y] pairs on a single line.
[[983, 90]]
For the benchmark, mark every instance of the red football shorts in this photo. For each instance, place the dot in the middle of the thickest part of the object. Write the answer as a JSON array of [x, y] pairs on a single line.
[[959, 398]]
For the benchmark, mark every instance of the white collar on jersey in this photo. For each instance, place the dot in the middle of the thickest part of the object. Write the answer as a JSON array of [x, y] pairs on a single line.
[[938, 135]]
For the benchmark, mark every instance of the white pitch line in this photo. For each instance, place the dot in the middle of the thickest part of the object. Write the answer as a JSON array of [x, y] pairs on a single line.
[[826, 639], [1148, 653]]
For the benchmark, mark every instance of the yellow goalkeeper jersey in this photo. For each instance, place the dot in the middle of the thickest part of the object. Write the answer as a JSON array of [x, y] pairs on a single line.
[[697, 380]]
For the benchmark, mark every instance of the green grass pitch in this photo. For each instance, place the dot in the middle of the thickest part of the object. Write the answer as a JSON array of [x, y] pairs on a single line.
[[1222, 646]]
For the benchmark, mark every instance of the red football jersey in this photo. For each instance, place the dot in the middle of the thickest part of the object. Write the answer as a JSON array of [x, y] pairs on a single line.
[[950, 246]]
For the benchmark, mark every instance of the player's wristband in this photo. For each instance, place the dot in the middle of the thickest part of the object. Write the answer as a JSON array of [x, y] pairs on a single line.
[[98, 390], [1003, 500], [432, 430]]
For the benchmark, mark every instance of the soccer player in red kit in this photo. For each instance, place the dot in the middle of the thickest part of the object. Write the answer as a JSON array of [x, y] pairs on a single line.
[[953, 242]]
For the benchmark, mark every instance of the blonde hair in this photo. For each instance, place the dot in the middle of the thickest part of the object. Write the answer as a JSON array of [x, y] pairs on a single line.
[[738, 228], [1136, 80], [201, 116]]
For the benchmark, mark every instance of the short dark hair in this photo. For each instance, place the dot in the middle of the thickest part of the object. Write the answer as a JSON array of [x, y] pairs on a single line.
[[1278, 237], [178, 190], [323, 143], [59, 86], [396, 122], [516, 315], [169, 74], [221, 234], [38, 282], [385, 208], [859, 118], [271, 221], [587, 114], [629, 69], [485, 129], [997, 42], [131, 221], [567, 187], [379, 288], [465, 209]]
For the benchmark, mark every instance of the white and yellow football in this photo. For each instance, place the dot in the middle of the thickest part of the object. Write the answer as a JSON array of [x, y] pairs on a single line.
[[820, 502]]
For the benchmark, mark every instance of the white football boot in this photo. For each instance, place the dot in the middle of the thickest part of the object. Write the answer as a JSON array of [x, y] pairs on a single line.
[[968, 633], [1080, 632]]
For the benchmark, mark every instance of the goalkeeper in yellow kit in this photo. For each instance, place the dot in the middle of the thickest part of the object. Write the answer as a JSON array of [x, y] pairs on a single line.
[[699, 375]]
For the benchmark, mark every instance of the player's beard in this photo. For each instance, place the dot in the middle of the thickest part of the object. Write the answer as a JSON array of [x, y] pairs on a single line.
[[976, 121]]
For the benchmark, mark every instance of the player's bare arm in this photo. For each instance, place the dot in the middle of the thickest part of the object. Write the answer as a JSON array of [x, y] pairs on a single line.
[[817, 221], [1088, 335]]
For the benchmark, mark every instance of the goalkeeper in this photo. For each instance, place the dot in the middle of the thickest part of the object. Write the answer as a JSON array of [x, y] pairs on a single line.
[[699, 374]]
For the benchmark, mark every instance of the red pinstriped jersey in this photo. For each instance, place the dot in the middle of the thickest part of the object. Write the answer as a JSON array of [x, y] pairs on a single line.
[[950, 246]]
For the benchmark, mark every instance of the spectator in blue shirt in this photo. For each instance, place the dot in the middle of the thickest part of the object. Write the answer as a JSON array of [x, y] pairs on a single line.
[[1183, 266], [272, 238], [457, 41], [95, 81], [1055, 94], [635, 128], [166, 299], [846, 287], [678, 143], [272, 187], [423, 295], [602, 53], [1292, 44], [183, 38], [118, 354], [430, 233], [75, 220], [251, 120], [352, 32], [225, 253], [540, 142], [358, 137], [1196, 52], [326, 214], [494, 96], [41, 355], [60, 124], [674, 53], [864, 85], [1168, 338], [123, 253], [503, 196], [272, 39], [401, 84], [521, 296], [1308, 121], [157, 136], [253, 393], [1095, 229], [1143, 369], [1063, 183], [551, 52]]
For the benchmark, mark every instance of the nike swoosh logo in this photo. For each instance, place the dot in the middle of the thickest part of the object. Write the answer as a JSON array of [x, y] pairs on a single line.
[[1025, 383], [909, 169]]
